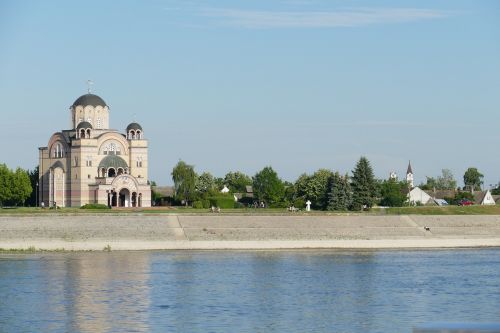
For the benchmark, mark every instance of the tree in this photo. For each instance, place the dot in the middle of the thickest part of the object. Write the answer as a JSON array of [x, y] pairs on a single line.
[[496, 190], [392, 193], [21, 186], [33, 174], [237, 181], [314, 188], [473, 179], [363, 185], [430, 184], [446, 181], [318, 188], [340, 193], [268, 187], [205, 183], [5, 184], [184, 178], [290, 193], [219, 183], [15, 186]]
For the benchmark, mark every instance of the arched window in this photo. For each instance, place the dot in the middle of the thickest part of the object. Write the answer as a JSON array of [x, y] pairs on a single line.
[[110, 149], [57, 151], [111, 172], [139, 162], [88, 134], [138, 135]]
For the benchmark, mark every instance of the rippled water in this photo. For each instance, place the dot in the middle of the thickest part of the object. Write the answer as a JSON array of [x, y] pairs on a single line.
[[280, 291]]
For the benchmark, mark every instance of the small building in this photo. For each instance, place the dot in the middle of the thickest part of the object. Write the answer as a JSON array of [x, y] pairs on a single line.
[[419, 196], [163, 195], [483, 198]]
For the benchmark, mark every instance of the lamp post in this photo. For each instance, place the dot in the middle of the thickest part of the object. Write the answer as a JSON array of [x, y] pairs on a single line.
[[36, 195]]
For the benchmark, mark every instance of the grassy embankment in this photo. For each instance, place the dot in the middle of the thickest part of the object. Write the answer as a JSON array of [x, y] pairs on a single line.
[[448, 210]]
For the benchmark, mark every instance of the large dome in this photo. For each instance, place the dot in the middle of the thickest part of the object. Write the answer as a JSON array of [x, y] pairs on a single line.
[[89, 99], [113, 161]]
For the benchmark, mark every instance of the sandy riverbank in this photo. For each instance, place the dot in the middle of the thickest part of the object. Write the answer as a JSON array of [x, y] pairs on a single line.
[[137, 232]]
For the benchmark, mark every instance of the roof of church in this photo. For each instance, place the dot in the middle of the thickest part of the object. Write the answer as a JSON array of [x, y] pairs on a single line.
[[113, 161], [134, 126], [84, 124], [89, 99], [409, 170]]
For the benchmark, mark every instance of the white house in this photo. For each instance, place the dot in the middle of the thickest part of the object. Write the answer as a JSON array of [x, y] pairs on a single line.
[[417, 195], [484, 198]]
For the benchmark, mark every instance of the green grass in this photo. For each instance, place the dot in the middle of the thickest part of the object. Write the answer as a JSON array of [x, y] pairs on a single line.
[[446, 210], [423, 210]]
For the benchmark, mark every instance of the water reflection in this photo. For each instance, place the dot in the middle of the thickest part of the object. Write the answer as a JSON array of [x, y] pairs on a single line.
[[97, 292], [294, 291]]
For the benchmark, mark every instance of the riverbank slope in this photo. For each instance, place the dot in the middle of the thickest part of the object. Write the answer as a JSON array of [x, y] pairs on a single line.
[[148, 232]]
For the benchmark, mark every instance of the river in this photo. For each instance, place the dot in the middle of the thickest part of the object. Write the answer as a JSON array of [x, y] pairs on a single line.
[[247, 291]]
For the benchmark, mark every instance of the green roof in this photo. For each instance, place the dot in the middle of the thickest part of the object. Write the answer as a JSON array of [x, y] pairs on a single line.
[[113, 161]]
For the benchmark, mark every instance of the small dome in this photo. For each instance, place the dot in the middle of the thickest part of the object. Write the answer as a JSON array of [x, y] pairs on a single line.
[[84, 124], [134, 126], [89, 99], [113, 161]]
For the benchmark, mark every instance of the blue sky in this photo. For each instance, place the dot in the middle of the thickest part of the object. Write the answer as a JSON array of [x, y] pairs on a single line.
[[298, 85]]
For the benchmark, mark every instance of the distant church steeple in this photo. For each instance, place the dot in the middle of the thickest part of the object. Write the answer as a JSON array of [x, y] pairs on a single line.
[[409, 175]]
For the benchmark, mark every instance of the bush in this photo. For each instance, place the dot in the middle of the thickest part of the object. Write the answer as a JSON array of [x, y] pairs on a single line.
[[459, 197], [222, 201], [198, 204], [278, 205], [206, 203], [94, 206], [239, 205], [299, 203]]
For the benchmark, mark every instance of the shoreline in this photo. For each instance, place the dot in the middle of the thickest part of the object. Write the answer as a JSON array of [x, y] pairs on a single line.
[[403, 244], [217, 232]]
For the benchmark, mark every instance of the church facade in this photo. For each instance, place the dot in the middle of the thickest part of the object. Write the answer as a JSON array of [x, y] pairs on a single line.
[[91, 163]]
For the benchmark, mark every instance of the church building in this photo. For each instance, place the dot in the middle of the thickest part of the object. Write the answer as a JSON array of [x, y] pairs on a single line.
[[91, 163]]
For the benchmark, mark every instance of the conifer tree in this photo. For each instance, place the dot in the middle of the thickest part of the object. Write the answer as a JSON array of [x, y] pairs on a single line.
[[340, 195], [363, 185]]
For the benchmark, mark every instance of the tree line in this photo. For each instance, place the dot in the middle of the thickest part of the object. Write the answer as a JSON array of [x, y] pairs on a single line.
[[16, 186], [326, 189]]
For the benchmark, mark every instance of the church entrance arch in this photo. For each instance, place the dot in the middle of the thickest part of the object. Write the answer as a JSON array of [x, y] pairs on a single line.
[[124, 198]]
